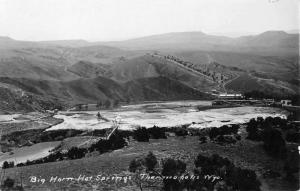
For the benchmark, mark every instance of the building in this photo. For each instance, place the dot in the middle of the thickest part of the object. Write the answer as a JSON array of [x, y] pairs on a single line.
[[230, 96], [286, 102]]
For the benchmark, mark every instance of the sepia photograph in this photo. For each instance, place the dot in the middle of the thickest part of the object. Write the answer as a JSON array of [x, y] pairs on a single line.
[[149, 95]]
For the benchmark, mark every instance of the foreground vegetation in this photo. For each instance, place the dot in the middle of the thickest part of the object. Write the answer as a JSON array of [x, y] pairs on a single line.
[[210, 173], [274, 137]]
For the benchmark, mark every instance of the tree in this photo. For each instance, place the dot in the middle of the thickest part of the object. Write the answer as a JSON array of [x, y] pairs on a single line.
[[137, 166], [76, 153], [5, 165], [157, 133], [150, 161], [8, 183], [173, 168], [274, 144], [141, 134]]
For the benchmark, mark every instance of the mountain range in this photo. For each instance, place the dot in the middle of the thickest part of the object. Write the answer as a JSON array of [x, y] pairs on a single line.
[[173, 66]]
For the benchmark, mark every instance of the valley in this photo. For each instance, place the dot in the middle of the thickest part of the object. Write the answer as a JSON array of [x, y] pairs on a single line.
[[156, 93]]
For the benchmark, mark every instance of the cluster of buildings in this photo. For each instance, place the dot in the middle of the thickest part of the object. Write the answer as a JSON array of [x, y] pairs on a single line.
[[240, 98]]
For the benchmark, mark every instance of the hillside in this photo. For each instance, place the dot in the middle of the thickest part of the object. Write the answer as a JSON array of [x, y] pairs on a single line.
[[17, 94], [270, 42], [78, 71]]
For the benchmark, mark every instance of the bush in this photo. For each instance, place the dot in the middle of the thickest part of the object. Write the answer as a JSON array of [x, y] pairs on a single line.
[[157, 133], [274, 144], [245, 179], [141, 134], [116, 141], [150, 161], [203, 139], [173, 168], [181, 132], [225, 139], [5, 165], [235, 177], [292, 136], [76, 153], [223, 130], [136, 164], [8, 183], [291, 165], [8, 164]]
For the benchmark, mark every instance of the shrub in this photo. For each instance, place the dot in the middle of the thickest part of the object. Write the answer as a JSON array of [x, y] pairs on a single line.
[[274, 144], [292, 136], [245, 179], [181, 132], [253, 132], [234, 177], [141, 134], [150, 161], [136, 164], [203, 139], [5, 165], [223, 130], [116, 141], [291, 164], [8, 183], [157, 133], [225, 139], [76, 153], [173, 168], [8, 164]]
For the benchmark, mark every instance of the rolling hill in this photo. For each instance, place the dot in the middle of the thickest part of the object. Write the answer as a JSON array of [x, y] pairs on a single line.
[[270, 42], [20, 94], [159, 67]]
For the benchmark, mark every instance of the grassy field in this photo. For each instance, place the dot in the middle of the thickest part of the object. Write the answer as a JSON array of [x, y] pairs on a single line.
[[245, 153]]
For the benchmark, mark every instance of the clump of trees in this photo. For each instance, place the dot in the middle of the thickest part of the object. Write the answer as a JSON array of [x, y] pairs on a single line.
[[6, 164], [116, 141], [157, 133], [210, 173], [226, 134], [143, 165], [76, 153], [223, 130], [274, 143], [181, 131], [231, 177], [173, 168], [141, 134], [274, 132]]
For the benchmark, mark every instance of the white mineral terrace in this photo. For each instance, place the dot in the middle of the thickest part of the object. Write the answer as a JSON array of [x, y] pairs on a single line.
[[168, 114]]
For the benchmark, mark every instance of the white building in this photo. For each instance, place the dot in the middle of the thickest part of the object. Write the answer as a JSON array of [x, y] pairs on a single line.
[[286, 102], [230, 96]]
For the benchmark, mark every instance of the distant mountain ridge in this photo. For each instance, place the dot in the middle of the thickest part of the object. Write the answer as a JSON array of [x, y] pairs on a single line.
[[189, 40], [270, 41]]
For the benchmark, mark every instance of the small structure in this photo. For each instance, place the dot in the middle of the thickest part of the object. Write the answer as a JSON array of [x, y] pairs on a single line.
[[286, 102], [230, 96]]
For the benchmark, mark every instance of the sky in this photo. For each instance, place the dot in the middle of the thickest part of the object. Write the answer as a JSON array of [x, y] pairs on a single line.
[[107, 20]]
